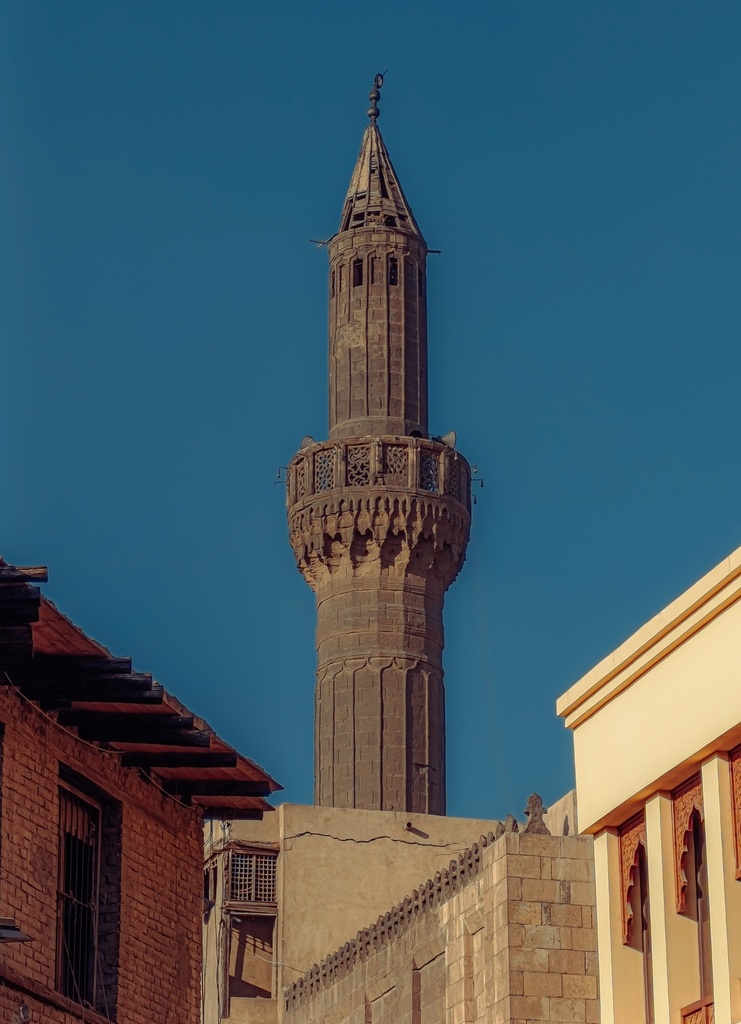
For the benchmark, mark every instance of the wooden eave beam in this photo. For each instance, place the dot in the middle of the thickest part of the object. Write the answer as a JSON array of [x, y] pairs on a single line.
[[64, 665], [90, 719], [65, 699], [217, 787], [146, 738], [16, 645], [20, 593], [23, 574], [232, 813], [118, 727], [93, 691], [19, 604], [179, 759]]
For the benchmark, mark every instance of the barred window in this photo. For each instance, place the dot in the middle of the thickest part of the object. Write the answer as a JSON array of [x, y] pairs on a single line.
[[88, 894], [252, 878], [77, 895]]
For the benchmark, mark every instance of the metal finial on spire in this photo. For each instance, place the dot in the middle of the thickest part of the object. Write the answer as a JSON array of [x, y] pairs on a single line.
[[374, 96]]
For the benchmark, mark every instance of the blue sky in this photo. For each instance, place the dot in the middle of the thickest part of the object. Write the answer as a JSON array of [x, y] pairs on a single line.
[[163, 334]]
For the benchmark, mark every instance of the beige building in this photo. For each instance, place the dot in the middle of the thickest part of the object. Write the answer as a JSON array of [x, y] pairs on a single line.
[[505, 934], [285, 892], [657, 734]]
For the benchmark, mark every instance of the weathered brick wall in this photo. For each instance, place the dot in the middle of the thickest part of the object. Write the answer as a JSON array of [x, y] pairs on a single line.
[[158, 866], [506, 935]]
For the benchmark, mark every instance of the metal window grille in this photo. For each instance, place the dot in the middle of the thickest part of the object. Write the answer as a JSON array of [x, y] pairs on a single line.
[[77, 896], [252, 878]]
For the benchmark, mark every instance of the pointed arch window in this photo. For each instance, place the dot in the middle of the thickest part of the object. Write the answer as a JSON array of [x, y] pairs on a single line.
[[735, 771], [691, 873], [636, 916], [393, 270]]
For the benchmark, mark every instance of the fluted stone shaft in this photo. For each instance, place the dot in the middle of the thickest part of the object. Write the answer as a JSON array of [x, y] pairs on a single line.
[[380, 701]]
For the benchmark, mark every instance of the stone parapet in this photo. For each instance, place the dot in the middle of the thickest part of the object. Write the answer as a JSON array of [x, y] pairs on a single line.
[[408, 464]]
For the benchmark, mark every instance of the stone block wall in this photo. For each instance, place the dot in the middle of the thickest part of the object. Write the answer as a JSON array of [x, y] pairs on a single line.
[[151, 881], [506, 935]]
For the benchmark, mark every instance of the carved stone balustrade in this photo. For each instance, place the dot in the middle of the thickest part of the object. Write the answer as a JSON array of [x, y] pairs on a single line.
[[391, 463]]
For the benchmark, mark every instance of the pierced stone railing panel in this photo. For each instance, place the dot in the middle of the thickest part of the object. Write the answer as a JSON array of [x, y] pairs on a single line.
[[398, 463], [324, 470], [358, 465]]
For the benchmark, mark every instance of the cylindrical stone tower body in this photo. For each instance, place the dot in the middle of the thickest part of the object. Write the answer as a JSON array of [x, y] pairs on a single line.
[[379, 515]]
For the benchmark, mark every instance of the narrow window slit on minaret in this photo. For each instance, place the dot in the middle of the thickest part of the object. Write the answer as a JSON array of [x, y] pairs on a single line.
[[372, 269], [357, 273], [393, 270], [333, 279]]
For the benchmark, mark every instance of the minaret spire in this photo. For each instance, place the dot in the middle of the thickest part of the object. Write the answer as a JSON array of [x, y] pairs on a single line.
[[378, 302], [379, 514], [374, 96]]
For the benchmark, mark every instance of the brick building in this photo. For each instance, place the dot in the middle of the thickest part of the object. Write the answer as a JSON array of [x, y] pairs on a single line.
[[104, 782]]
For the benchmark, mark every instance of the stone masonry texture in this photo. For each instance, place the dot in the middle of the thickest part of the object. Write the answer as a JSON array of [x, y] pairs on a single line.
[[379, 515], [379, 561], [505, 936], [151, 882]]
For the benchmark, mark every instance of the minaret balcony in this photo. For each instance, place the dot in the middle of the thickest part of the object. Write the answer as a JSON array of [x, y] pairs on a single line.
[[410, 465]]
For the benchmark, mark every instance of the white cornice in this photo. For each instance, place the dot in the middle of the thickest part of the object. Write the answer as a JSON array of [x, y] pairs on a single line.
[[680, 620]]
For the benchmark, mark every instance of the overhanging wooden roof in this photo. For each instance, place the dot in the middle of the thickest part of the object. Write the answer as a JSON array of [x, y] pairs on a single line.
[[76, 680]]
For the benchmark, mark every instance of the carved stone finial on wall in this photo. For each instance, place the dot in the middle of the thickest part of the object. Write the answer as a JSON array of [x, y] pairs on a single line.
[[632, 835], [686, 801], [534, 813]]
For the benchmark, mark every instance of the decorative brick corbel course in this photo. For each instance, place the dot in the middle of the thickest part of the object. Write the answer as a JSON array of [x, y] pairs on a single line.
[[685, 802], [632, 835]]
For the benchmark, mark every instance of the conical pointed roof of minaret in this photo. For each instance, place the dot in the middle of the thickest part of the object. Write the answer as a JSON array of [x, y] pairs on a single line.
[[375, 196]]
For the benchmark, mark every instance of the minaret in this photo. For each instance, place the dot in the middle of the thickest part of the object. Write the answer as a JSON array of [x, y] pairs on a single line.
[[379, 514]]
